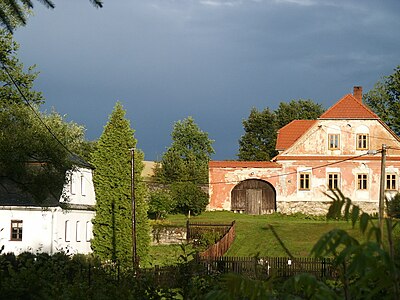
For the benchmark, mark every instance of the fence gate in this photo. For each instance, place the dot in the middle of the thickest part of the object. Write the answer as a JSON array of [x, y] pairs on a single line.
[[253, 196]]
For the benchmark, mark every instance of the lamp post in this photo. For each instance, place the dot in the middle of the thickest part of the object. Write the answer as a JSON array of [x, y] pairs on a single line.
[[135, 261]]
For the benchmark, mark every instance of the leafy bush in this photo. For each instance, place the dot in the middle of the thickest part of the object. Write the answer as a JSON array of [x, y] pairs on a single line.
[[161, 204], [189, 197], [393, 206]]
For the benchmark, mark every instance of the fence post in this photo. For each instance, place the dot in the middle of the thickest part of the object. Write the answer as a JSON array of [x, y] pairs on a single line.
[[187, 231]]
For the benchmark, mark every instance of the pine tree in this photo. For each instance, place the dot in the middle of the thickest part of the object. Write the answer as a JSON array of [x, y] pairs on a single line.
[[112, 225]]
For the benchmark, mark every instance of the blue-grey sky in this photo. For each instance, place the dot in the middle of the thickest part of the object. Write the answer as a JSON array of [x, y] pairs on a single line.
[[210, 59]]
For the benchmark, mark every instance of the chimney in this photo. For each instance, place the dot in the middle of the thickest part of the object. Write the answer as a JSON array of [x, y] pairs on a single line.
[[357, 93]]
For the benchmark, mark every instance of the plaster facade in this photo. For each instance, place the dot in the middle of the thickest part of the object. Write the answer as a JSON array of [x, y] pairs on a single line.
[[63, 227], [339, 150]]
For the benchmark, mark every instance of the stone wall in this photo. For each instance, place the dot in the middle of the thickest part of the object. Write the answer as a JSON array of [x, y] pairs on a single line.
[[319, 208], [166, 235]]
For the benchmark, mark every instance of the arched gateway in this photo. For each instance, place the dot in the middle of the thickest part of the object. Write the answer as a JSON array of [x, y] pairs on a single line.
[[253, 196]]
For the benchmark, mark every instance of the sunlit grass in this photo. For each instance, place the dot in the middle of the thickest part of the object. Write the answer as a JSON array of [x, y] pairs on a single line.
[[263, 235]]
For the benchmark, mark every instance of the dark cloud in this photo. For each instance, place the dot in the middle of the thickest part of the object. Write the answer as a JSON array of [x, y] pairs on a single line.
[[211, 59]]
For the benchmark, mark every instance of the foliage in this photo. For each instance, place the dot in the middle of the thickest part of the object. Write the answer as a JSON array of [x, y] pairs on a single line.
[[189, 197], [112, 225], [161, 204], [185, 166], [13, 13], [235, 286], [46, 141], [188, 156], [366, 270], [384, 100], [393, 206], [258, 141]]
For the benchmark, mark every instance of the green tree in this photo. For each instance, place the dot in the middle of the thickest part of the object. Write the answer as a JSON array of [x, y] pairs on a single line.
[[161, 204], [43, 140], [185, 166], [384, 100], [258, 142], [297, 110], [260, 129], [13, 13], [189, 197], [112, 226], [188, 156]]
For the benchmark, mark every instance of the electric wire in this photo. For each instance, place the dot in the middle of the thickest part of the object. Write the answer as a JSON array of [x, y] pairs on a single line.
[[74, 155]]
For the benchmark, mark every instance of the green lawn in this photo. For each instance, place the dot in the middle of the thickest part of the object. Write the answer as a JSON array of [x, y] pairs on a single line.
[[266, 235]]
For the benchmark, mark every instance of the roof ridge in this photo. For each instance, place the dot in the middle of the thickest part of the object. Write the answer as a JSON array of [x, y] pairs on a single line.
[[349, 97]]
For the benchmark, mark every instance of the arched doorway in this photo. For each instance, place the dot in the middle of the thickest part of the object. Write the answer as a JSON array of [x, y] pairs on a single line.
[[253, 196]]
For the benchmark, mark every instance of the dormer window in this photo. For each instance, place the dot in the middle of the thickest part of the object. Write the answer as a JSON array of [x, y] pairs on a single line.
[[334, 141], [362, 141]]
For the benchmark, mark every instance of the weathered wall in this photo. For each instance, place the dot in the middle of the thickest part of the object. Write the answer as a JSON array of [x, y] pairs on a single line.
[[166, 235], [311, 154]]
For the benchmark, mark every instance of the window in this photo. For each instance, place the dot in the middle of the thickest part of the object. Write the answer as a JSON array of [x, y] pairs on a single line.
[[362, 141], [78, 231], [333, 181], [16, 230], [67, 231], [72, 184], [83, 186], [333, 141], [362, 180], [304, 181], [88, 231], [391, 181]]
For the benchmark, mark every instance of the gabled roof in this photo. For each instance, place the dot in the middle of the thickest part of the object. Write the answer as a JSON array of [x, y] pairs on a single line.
[[349, 108], [12, 195], [291, 132]]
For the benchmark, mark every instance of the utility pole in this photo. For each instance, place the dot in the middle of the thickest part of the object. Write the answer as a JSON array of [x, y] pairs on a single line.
[[135, 261], [382, 191]]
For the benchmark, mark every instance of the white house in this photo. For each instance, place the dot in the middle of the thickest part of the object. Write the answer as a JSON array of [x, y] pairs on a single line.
[[64, 225]]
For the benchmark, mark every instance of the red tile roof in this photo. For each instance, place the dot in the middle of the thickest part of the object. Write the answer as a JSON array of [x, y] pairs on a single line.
[[349, 108], [243, 164], [291, 132]]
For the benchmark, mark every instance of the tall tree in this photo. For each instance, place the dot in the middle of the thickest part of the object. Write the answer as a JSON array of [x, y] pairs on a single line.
[[258, 142], [188, 156], [14, 12], [260, 129], [185, 166], [297, 110], [384, 100], [30, 136], [112, 225]]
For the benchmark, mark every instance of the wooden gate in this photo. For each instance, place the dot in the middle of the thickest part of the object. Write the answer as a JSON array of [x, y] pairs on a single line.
[[254, 197]]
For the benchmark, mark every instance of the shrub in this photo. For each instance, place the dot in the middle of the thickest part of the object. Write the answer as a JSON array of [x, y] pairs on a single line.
[[393, 206], [189, 197], [161, 204]]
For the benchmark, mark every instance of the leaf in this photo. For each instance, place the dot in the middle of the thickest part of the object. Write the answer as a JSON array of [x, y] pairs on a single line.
[[355, 213], [364, 219]]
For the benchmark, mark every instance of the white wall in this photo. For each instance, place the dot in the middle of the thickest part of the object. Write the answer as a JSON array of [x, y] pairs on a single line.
[[80, 189], [44, 229]]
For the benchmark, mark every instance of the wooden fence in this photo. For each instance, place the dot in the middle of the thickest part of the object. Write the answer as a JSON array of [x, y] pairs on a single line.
[[260, 268], [263, 267], [223, 236], [221, 246], [195, 230]]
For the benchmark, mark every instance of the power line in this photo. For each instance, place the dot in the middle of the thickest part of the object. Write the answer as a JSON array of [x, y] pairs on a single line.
[[370, 136], [38, 116], [306, 169]]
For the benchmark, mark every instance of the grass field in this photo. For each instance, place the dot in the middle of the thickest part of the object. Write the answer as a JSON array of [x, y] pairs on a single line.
[[265, 235]]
